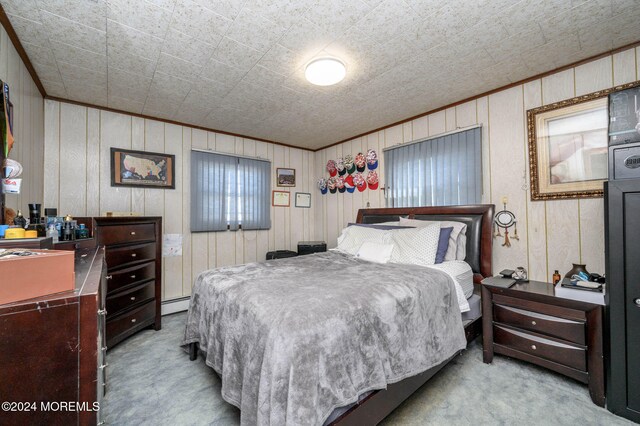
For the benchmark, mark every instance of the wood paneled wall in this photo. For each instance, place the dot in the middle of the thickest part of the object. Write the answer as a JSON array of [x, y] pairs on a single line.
[[553, 234], [77, 175], [28, 125]]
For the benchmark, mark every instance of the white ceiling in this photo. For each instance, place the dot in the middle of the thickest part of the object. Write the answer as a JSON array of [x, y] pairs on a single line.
[[238, 65]]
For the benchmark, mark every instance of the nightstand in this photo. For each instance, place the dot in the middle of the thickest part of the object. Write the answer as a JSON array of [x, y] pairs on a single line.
[[559, 329]]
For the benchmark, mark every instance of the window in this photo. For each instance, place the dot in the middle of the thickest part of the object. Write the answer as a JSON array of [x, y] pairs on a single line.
[[440, 171], [229, 192]]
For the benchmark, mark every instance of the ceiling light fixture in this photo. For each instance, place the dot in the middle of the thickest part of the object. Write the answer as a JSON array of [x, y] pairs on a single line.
[[325, 71]]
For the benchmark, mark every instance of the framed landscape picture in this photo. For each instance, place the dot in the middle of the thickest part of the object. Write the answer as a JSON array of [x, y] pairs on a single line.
[[142, 169], [286, 177]]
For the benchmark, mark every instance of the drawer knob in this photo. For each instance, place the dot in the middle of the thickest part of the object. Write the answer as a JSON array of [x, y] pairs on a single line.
[[133, 255], [533, 323], [109, 277], [133, 232], [133, 298], [133, 276], [133, 320], [637, 301], [534, 347], [103, 366], [102, 312]]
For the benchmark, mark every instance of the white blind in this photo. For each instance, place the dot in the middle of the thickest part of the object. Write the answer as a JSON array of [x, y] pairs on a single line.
[[440, 171], [228, 192]]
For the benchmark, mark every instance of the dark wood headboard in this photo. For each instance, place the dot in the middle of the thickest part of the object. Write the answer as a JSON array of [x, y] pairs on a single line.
[[478, 218]]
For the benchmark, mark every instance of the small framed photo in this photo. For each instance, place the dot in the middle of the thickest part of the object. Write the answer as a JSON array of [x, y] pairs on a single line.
[[280, 198], [286, 177], [303, 199], [142, 169]]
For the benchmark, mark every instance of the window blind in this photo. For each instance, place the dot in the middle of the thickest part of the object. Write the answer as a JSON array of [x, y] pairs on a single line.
[[440, 171], [229, 192]]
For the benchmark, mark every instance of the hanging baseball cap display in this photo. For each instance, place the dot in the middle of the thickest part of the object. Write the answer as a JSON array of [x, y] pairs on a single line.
[[340, 184], [348, 163], [322, 185], [331, 168], [359, 181], [372, 159], [348, 183], [331, 184], [372, 180], [361, 162], [340, 167]]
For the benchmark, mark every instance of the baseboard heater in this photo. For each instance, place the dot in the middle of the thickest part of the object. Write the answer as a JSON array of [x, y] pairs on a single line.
[[175, 305]]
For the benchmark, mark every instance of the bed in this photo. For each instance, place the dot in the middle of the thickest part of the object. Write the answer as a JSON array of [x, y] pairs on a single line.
[[300, 351]]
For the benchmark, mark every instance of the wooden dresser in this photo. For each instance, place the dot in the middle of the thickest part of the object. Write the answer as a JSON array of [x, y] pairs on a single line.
[[52, 351], [133, 248], [534, 322]]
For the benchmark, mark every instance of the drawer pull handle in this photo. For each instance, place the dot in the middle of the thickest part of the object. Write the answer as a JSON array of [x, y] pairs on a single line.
[[133, 298], [133, 232], [133, 276], [534, 347], [104, 348], [637, 301], [102, 312], [133, 320], [133, 255], [108, 277], [533, 323], [103, 366]]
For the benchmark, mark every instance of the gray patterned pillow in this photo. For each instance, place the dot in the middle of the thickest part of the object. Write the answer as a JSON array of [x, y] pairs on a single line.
[[415, 246]]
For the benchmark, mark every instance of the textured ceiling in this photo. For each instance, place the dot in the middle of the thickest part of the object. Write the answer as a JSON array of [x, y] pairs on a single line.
[[238, 65]]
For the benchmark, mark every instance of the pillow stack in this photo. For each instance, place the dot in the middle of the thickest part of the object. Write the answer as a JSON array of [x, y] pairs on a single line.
[[409, 241]]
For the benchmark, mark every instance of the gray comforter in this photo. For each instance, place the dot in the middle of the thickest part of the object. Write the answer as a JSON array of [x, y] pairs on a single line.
[[293, 339]]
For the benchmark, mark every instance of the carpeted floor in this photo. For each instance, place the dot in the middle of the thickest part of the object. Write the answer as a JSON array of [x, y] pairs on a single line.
[[151, 381]]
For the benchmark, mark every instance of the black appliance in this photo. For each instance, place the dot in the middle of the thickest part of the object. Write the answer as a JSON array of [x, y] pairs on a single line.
[[622, 341], [308, 247]]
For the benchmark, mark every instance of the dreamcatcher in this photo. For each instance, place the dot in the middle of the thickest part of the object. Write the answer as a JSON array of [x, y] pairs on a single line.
[[505, 219]]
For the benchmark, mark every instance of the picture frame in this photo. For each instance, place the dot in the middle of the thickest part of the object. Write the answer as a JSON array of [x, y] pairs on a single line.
[[303, 200], [142, 169], [568, 144], [280, 198], [285, 177]]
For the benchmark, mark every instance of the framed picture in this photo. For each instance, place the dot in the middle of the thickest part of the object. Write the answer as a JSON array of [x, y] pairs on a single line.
[[286, 177], [280, 198], [142, 169], [568, 148], [303, 199]]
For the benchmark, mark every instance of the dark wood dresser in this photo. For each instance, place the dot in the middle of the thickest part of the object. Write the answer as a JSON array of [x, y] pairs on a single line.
[[534, 322], [52, 351], [133, 248]]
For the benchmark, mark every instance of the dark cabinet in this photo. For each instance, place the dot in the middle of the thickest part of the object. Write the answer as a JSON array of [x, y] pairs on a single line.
[[622, 249], [133, 253], [52, 351]]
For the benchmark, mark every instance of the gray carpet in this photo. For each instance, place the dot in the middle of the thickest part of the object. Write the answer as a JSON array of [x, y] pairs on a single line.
[[152, 381]]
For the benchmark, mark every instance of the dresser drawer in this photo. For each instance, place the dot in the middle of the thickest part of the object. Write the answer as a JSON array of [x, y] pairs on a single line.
[[125, 234], [573, 331], [122, 256], [569, 355], [126, 299], [123, 325], [120, 279]]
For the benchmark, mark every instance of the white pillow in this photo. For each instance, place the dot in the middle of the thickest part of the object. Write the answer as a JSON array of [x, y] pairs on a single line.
[[417, 246], [375, 252], [353, 237], [457, 249]]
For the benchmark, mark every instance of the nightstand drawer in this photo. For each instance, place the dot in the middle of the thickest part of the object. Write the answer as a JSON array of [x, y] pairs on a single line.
[[112, 235], [132, 254], [571, 356], [573, 331], [120, 279]]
